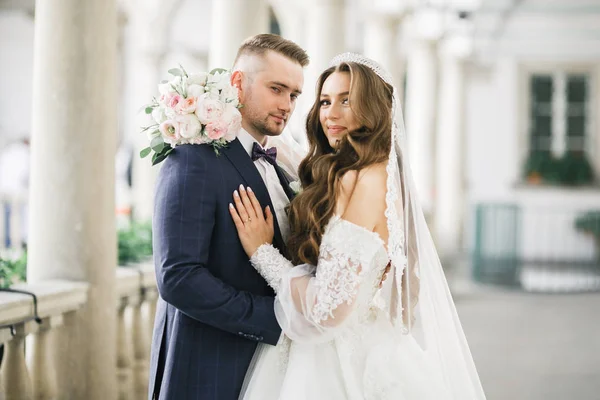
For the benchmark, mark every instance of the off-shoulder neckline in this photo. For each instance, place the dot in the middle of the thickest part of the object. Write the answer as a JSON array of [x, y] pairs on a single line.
[[374, 234]]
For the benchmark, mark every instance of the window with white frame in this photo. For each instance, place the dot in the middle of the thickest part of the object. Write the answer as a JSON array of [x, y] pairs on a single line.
[[559, 112], [560, 127]]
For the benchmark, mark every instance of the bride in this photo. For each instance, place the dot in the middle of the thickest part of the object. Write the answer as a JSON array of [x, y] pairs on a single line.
[[347, 334]]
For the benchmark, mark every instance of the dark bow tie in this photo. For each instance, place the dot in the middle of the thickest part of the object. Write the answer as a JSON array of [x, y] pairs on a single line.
[[270, 154]]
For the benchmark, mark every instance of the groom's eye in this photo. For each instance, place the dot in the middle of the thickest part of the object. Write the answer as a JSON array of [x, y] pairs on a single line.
[[276, 89]]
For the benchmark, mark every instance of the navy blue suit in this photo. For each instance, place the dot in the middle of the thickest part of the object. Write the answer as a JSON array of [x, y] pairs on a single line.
[[214, 307]]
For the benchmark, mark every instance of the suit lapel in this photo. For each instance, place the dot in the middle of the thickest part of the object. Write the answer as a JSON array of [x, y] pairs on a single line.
[[285, 182], [243, 163]]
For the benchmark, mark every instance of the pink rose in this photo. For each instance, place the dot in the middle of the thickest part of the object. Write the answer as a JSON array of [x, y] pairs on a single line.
[[169, 131], [216, 130], [208, 110], [233, 128], [186, 106], [173, 101], [233, 119]]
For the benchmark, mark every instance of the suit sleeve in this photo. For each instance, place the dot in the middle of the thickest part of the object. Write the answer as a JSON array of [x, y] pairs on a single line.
[[184, 219]]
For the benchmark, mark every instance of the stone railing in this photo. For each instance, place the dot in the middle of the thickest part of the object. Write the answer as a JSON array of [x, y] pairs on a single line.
[[55, 301], [35, 377], [136, 288]]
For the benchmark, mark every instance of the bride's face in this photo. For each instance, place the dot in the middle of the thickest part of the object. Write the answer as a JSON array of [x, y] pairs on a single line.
[[335, 114]]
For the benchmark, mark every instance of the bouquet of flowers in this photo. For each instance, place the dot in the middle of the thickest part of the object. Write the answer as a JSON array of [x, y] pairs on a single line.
[[199, 108]]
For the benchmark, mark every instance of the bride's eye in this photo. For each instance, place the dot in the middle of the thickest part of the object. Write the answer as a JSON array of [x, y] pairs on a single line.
[[346, 101], [324, 103]]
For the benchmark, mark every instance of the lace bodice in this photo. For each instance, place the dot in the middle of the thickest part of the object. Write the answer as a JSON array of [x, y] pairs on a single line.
[[313, 301]]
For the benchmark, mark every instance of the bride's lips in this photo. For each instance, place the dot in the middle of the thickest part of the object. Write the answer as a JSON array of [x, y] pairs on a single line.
[[335, 129]]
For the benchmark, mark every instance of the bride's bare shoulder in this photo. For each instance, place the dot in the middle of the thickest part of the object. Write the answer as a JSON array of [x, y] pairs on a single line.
[[370, 179], [363, 195]]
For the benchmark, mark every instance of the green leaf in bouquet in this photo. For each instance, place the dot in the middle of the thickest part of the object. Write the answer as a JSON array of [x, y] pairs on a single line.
[[149, 109], [161, 155], [178, 90], [145, 128], [145, 152], [217, 70], [157, 144], [183, 70], [175, 72], [158, 158]]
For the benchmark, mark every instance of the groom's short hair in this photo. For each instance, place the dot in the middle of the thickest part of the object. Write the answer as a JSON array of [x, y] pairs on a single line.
[[260, 44]]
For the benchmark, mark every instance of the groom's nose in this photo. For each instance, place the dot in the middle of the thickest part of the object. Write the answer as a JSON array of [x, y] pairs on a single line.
[[285, 105]]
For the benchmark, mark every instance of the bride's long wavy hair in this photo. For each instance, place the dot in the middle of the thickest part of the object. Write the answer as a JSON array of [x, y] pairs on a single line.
[[320, 172]]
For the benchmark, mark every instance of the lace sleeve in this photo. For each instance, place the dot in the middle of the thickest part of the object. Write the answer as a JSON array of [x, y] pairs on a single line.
[[269, 262], [313, 302]]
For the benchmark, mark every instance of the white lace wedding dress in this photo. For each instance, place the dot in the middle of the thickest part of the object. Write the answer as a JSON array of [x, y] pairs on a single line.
[[342, 344]]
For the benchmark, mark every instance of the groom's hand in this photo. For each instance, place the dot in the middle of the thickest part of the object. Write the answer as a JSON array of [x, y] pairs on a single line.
[[254, 228]]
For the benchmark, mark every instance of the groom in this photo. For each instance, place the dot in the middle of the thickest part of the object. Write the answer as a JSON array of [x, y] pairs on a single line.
[[214, 307]]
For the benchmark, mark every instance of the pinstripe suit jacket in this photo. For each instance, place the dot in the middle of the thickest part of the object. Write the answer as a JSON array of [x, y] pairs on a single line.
[[214, 307]]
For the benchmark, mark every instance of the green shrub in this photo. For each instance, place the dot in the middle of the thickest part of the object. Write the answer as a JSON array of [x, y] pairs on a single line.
[[135, 243], [572, 169], [13, 270], [589, 222]]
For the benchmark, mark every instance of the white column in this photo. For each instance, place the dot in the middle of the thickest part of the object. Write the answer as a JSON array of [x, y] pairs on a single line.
[[381, 45], [323, 41], [325, 34], [421, 97], [291, 15], [72, 200], [145, 44], [449, 204], [380, 41], [232, 22]]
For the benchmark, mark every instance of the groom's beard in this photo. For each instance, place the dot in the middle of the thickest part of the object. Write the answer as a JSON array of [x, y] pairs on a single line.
[[268, 127]]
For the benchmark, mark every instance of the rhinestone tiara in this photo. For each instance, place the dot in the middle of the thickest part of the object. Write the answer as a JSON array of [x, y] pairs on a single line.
[[360, 59]]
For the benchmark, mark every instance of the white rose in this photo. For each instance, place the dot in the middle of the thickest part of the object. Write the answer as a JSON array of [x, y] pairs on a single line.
[[198, 78], [208, 109], [233, 119], [213, 93], [230, 93], [219, 80], [169, 87], [170, 113], [166, 89], [195, 90], [159, 115], [189, 126], [230, 113]]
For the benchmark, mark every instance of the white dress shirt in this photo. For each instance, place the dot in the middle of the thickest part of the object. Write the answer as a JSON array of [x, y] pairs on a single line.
[[269, 176]]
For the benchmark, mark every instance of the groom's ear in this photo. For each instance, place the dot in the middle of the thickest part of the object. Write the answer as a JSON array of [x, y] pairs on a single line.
[[236, 81]]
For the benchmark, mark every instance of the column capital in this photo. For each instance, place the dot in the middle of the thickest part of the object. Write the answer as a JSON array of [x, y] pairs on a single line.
[[388, 9], [458, 41], [149, 21], [426, 24]]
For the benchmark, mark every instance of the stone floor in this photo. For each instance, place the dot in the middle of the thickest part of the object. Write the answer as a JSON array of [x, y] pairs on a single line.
[[533, 346]]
